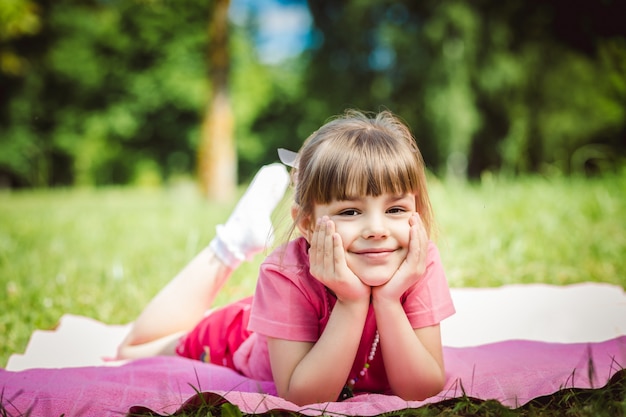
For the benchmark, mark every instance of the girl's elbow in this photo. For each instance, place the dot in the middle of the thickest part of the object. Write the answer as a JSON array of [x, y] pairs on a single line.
[[306, 398], [435, 389], [424, 391], [307, 395], [124, 351]]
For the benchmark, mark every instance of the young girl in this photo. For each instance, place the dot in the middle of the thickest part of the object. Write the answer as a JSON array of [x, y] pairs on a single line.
[[352, 305]]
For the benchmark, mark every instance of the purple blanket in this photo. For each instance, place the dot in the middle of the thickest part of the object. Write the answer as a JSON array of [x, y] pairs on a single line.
[[512, 372]]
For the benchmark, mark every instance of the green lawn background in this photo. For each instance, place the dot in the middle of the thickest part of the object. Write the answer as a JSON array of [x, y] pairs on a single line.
[[103, 253]]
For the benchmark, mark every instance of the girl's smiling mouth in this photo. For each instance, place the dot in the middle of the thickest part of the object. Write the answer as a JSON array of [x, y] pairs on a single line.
[[375, 253]]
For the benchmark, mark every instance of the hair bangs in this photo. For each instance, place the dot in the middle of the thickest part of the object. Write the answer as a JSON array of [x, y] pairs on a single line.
[[368, 163]]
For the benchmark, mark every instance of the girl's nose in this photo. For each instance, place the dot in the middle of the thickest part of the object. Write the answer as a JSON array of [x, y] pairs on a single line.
[[375, 227]]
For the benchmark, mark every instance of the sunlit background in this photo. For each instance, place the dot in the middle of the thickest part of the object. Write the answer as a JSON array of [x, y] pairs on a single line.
[[130, 92], [128, 128]]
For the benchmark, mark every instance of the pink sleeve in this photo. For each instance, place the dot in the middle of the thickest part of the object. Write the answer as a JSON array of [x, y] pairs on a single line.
[[287, 304], [428, 301]]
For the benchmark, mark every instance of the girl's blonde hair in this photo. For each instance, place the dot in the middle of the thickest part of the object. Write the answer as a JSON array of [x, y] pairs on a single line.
[[357, 155]]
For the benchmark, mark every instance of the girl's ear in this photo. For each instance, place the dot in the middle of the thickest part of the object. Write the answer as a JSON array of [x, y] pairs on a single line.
[[303, 223]]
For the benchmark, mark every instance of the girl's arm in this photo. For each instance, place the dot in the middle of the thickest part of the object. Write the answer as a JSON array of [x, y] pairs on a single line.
[[413, 357], [307, 373]]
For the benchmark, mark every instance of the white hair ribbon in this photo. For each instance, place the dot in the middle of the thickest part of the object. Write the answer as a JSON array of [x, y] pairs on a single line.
[[288, 157]]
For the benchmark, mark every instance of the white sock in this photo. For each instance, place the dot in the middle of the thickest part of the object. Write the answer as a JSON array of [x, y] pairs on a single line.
[[249, 229]]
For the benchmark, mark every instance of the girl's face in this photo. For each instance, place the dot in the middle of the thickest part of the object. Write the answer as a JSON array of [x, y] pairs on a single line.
[[374, 232]]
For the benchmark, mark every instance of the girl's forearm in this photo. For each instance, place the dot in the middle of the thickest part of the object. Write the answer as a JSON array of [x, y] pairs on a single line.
[[413, 358], [322, 373]]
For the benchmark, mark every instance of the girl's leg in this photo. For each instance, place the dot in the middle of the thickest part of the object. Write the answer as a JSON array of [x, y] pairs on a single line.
[[182, 303]]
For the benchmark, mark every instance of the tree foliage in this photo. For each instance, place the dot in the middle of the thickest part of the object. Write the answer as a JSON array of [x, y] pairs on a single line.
[[113, 91], [517, 86]]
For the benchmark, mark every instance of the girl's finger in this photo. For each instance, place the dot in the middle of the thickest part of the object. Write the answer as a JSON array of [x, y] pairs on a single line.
[[414, 241], [314, 250], [338, 252], [418, 245], [319, 241], [329, 262], [422, 246]]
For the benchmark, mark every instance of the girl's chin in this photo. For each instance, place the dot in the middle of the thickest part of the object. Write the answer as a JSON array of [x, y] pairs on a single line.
[[374, 281]]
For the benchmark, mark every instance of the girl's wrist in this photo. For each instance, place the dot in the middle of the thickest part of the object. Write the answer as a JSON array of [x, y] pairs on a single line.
[[354, 294], [356, 304], [379, 298]]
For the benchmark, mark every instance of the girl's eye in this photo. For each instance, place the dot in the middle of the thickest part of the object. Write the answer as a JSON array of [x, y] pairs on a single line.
[[349, 212], [396, 210]]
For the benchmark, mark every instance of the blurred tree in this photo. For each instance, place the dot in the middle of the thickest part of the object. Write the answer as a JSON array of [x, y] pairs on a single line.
[[112, 93], [486, 85], [217, 160], [542, 83], [268, 100], [18, 18]]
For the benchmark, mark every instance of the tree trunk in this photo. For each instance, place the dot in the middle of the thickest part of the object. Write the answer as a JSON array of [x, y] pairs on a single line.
[[217, 159]]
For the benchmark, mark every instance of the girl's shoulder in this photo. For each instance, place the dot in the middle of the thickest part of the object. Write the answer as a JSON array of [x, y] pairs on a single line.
[[433, 252], [287, 269], [287, 292], [292, 256]]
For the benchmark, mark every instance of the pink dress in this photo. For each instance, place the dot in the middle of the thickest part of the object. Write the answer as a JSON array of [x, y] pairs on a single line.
[[291, 304]]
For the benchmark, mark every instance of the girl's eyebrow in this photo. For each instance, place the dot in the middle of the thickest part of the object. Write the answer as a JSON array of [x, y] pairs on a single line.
[[391, 198], [399, 197], [348, 202], [349, 199]]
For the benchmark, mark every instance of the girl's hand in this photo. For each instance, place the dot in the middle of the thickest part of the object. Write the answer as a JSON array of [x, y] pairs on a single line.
[[413, 266], [328, 264]]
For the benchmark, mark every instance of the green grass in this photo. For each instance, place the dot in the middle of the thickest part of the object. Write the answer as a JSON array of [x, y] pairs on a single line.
[[101, 254], [558, 231], [610, 401], [104, 253]]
